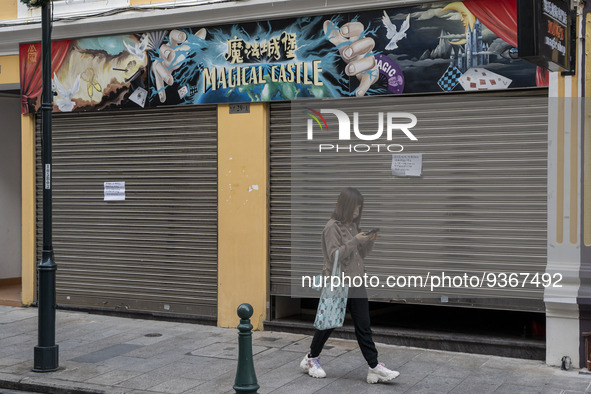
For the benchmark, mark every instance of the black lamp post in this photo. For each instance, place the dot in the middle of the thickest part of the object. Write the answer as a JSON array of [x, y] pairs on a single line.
[[46, 352]]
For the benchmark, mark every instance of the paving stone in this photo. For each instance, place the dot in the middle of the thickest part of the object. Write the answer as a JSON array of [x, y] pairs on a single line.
[[490, 375], [17, 314], [70, 344], [510, 363], [404, 382], [148, 338], [433, 357], [274, 339], [554, 390], [395, 358], [305, 384], [393, 349], [79, 372], [509, 388], [177, 385], [168, 346], [450, 370], [331, 348], [145, 381], [353, 382], [273, 358], [23, 339], [8, 362], [200, 368], [343, 364], [16, 351], [106, 353], [12, 329], [101, 333], [226, 335], [280, 376], [22, 368], [419, 367], [435, 384], [87, 347], [139, 365], [469, 361], [221, 384], [112, 378], [342, 343], [471, 385], [528, 379], [573, 383], [223, 350], [114, 338]]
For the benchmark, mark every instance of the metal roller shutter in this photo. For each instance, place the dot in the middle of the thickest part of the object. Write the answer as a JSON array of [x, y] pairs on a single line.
[[157, 250], [479, 206]]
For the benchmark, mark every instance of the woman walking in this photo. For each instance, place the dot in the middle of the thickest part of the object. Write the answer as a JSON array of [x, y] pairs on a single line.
[[342, 233]]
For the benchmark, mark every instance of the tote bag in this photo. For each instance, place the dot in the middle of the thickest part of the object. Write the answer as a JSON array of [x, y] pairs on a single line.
[[333, 302]]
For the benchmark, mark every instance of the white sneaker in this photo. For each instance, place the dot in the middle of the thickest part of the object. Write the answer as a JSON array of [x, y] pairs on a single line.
[[313, 367], [381, 374]]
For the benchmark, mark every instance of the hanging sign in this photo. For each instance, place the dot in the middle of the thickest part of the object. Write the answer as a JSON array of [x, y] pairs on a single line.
[[544, 33]]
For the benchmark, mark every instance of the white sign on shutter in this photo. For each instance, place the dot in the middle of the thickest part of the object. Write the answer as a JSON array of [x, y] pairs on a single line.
[[114, 191], [407, 164]]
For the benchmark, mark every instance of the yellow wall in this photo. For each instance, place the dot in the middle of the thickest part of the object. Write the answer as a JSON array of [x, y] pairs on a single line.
[[8, 9], [242, 213], [139, 2], [9, 72], [587, 138], [28, 207]]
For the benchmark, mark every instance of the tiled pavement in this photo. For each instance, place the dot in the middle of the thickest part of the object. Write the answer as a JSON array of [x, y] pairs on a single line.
[[106, 354]]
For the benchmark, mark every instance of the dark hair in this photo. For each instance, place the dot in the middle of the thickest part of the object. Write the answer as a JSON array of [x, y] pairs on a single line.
[[346, 203]]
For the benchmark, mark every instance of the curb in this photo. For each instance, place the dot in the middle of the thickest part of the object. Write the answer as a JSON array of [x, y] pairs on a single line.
[[518, 348], [52, 386]]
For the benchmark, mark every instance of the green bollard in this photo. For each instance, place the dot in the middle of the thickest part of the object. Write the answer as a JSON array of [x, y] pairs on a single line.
[[246, 379]]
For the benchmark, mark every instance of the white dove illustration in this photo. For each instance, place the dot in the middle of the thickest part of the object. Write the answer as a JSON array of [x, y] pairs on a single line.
[[392, 32], [65, 103], [139, 48]]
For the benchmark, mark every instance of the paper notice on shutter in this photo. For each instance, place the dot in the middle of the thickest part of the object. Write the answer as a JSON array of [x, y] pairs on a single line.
[[114, 191], [410, 165]]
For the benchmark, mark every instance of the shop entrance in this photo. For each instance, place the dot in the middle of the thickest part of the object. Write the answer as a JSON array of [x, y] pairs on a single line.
[[10, 200]]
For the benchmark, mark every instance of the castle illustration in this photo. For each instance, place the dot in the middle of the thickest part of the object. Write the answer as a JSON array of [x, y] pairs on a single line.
[[475, 52]]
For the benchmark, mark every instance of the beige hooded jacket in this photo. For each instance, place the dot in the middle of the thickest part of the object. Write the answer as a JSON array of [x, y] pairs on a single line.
[[351, 252]]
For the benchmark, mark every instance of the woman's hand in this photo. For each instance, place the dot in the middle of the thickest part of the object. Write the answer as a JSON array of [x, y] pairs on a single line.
[[362, 238]]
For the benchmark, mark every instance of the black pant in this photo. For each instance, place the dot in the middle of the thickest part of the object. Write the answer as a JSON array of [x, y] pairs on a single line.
[[359, 308]]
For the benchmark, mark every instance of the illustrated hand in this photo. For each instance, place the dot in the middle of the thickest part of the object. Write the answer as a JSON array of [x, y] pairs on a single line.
[[354, 50], [169, 61]]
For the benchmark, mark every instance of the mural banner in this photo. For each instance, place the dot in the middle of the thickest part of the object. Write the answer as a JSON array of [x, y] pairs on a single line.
[[440, 47]]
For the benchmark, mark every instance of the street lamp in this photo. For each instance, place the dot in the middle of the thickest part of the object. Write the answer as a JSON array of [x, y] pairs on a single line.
[[46, 357]]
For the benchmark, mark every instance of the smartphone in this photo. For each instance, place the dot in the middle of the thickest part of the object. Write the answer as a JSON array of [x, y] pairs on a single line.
[[370, 232]]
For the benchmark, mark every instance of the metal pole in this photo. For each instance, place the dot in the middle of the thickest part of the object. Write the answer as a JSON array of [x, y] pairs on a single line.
[[46, 352], [246, 379]]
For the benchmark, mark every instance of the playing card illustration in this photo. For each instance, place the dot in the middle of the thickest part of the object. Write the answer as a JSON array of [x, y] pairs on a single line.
[[481, 79]]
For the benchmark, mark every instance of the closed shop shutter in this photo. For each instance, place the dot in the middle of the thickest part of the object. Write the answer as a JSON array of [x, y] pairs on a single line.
[[155, 251], [480, 205]]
